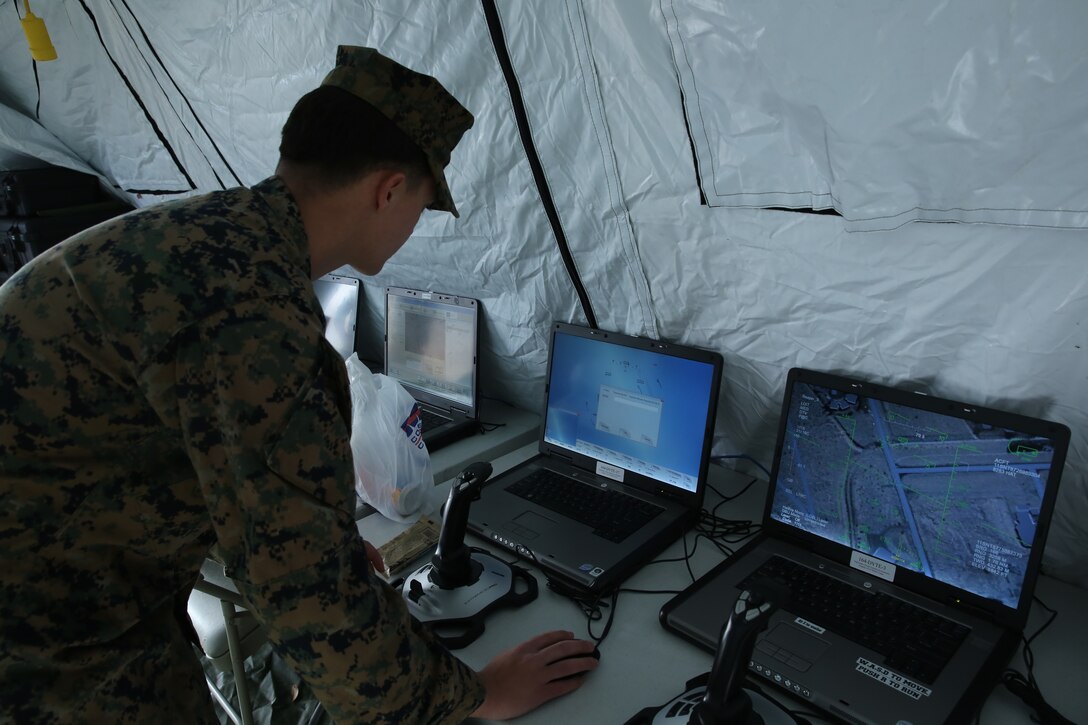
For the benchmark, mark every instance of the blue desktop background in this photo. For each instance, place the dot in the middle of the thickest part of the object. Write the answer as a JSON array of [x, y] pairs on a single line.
[[581, 366]]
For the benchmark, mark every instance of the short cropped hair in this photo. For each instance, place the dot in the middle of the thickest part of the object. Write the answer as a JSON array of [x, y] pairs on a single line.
[[337, 138]]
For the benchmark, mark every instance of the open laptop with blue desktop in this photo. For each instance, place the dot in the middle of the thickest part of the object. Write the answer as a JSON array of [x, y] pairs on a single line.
[[910, 531], [431, 348], [622, 464]]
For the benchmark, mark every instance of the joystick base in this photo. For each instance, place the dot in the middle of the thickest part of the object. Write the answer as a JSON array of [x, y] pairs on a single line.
[[456, 615], [495, 580], [764, 712]]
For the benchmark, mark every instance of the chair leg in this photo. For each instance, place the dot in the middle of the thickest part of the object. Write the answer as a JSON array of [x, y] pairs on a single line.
[[226, 705], [241, 684]]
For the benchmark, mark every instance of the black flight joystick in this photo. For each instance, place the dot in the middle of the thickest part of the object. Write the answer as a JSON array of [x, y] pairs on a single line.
[[461, 585], [719, 697], [452, 565], [725, 699]]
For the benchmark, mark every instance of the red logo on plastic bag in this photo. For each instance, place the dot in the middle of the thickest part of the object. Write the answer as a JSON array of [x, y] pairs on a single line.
[[413, 427]]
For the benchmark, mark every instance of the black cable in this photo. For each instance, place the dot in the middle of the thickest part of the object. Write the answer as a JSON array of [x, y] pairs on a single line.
[[724, 533], [738, 494], [721, 533], [608, 622], [687, 556], [746, 457], [507, 403], [665, 561], [1026, 687], [590, 604], [709, 527]]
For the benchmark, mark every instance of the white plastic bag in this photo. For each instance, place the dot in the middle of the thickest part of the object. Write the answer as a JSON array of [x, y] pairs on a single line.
[[392, 464]]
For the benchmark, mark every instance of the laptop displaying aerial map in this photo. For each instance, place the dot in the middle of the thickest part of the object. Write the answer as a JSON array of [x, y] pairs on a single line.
[[909, 530]]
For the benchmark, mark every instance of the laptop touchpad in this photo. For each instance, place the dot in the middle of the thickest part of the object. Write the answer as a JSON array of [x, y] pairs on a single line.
[[792, 647], [528, 525]]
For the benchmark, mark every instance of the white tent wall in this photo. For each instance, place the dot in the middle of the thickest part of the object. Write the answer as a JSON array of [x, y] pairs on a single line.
[[86, 104], [502, 250], [25, 144], [813, 105], [987, 312]]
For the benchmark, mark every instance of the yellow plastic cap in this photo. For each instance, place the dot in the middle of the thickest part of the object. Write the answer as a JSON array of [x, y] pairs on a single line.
[[41, 47]]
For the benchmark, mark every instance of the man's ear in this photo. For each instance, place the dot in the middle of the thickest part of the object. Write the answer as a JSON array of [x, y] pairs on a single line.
[[390, 184]]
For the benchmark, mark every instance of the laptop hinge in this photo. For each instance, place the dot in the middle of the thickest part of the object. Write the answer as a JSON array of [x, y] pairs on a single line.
[[559, 456], [970, 608]]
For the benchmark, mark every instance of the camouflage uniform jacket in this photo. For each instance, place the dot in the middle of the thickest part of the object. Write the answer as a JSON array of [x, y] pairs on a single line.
[[165, 385]]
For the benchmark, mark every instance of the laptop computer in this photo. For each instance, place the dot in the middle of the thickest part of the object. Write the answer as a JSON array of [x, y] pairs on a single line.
[[340, 299], [923, 519], [626, 420], [431, 345]]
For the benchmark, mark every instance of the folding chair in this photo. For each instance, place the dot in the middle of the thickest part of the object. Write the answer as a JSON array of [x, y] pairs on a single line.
[[228, 634]]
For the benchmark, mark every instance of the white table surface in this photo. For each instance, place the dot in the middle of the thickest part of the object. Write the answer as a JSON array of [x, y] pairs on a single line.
[[643, 665]]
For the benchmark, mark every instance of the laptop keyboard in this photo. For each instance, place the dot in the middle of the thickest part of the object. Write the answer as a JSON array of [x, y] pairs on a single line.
[[913, 640], [431, 420], [613, 515]]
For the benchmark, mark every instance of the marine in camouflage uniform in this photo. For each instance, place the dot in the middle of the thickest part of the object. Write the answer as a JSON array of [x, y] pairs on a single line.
[[165, 385]]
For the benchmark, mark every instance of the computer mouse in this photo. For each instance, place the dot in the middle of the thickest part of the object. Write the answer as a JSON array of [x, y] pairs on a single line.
[[595, 653]]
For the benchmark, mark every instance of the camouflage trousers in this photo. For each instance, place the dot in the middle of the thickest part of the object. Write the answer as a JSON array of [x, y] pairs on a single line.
[[148, 675]]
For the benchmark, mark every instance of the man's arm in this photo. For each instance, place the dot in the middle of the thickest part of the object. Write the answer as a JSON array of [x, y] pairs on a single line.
[[265, 416]]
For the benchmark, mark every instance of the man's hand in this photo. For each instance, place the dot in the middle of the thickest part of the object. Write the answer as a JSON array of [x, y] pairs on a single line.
[[375, 558], [525, 677]]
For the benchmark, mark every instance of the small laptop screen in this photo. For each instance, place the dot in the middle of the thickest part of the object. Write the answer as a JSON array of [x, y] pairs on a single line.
[[431, 345], [953, 499], [638, 409], [339, 298]]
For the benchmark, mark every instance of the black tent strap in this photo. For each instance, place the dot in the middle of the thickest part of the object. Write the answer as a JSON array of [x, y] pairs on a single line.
[[494, 25], [136, 97], [156, 192], [188, 104], [691, 144]]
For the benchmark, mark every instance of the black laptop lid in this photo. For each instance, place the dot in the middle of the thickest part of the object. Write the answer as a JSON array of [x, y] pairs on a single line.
[[431, 345], [947, 499], [631, 409]]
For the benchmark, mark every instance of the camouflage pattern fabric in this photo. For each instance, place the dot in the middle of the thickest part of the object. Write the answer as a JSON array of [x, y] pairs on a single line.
[[165, 385], [418, 104]]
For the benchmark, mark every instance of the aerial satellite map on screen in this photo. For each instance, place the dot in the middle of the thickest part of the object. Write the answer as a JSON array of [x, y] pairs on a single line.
[[955, 500]]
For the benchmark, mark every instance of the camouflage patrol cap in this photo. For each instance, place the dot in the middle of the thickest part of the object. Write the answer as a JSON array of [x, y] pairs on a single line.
[[418, 104]]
